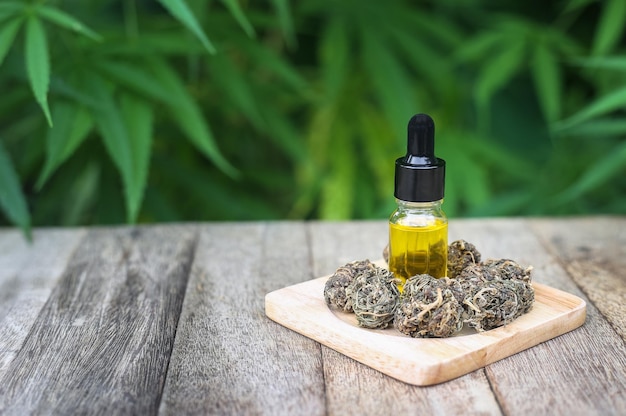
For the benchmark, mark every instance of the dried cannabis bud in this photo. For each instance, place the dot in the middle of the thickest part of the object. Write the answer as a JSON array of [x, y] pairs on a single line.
[[475, 274], [429, 307], [460, 255], [497, 292], [508, 269], [335, 288], [496, 303], [525, 296], [375, 297], [503, 269]]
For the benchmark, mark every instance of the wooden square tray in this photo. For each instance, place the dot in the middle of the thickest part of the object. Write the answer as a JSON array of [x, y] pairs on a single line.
[[422, 361]]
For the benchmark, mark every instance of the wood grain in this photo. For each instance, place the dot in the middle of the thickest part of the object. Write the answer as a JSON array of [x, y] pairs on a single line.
[[28, 273], [102, 342], [579, 373], [593, 251], [89, 322], [228, 357]]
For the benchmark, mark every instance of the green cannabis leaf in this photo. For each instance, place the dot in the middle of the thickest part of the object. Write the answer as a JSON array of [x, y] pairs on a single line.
[[188, 115], [12, 200], [72, 124], [38, 63], [180, 10]]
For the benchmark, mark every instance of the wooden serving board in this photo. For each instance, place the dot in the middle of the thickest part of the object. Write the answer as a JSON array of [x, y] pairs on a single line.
[[422, 361]]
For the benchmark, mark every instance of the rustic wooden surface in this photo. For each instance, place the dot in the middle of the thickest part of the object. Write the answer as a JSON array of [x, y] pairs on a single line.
[[169, 319]]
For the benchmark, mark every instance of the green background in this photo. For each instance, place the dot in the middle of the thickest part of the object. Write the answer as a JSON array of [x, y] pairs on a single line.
[[157, 111]]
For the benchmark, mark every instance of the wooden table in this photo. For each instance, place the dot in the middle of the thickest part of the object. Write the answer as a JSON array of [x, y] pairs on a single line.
[[169, 319]]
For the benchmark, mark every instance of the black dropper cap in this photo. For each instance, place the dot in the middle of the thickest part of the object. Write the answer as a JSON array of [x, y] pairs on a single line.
[[420, 176]]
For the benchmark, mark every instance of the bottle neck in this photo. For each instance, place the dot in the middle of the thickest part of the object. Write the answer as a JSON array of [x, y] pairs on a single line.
[[418, 214], [419, 205]]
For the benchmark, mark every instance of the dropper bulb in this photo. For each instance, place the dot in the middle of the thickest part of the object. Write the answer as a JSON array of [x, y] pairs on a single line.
[[421, 140], [420, 175]]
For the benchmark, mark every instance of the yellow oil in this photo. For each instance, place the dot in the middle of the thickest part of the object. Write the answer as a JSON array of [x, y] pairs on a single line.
[[418, 250]]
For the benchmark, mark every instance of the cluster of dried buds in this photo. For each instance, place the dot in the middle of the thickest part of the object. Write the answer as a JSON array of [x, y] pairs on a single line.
[[485, 295]]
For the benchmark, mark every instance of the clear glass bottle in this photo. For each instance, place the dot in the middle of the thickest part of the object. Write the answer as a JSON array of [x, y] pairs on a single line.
[[418, 228], [418, 239]]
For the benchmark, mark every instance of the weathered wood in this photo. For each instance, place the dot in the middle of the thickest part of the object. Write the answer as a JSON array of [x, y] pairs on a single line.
[[581, 372], [228, 357], [593, 251], [353, 388], [28, 273], [102, 342]]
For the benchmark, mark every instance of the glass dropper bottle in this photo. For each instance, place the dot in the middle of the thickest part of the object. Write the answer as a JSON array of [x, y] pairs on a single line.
[[418, 228]]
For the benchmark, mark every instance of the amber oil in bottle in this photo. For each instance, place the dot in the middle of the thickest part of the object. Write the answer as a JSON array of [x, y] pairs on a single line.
[[418, 228], [418, 236]]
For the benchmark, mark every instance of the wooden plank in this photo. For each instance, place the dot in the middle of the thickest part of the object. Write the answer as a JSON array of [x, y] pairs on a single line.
[[228, 357], [581, 372], [28, 272], [593, 251], [352, 387], [102, 342], [301, 307]]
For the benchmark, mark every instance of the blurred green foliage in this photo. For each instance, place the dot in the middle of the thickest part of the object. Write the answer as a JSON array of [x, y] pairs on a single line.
[[195, 110]]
